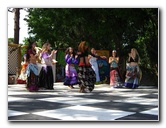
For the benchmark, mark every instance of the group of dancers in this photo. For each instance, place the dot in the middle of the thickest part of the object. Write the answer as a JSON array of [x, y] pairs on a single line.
[[84, 76], [87, 73], [133, 72], [30, 72], [81, 68]]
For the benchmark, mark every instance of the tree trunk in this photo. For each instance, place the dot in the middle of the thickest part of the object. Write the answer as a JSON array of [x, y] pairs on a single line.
[[16, 25]]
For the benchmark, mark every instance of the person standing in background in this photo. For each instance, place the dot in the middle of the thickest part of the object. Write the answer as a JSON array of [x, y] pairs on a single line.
[[23, 76], [115, 75], [93, 61], [132, 70]]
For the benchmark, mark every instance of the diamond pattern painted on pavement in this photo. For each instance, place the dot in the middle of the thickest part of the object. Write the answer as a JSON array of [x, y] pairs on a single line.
[[15, 113], [74, 100], [84, 113], [153, 111], [67, 104]]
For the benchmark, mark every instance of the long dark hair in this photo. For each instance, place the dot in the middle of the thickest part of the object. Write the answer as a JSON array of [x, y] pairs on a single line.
[[30, 47], [67, 51]]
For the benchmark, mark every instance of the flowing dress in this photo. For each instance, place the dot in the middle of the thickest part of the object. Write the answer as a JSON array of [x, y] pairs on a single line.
[[32, 75], [93, 62], [46, 79], [132, 77], [70, 71], [115, 76], [86, 75]]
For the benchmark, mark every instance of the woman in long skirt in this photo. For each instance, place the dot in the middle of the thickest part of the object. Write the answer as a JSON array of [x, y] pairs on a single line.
[[115, 75], [86, 75], [132, 76], [132, 70], [70, 71], [32, 69], [46, 79], [93, 61]]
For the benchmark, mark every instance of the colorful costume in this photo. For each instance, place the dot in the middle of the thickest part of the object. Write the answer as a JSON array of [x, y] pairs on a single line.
[[86, 75], [133, 74], [70, 71], [46, 79], [115, 76], [32, 75], [23, 76], [132, 78]]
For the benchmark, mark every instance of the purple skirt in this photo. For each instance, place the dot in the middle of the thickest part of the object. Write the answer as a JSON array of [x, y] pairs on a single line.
[[70, 80], [71, 75]]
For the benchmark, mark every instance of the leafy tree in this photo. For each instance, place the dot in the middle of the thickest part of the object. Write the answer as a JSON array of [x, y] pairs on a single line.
[[10, 40], [103, 28]]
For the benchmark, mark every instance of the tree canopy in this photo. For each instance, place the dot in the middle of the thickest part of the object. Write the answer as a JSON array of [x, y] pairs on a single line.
[[104, 28]]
